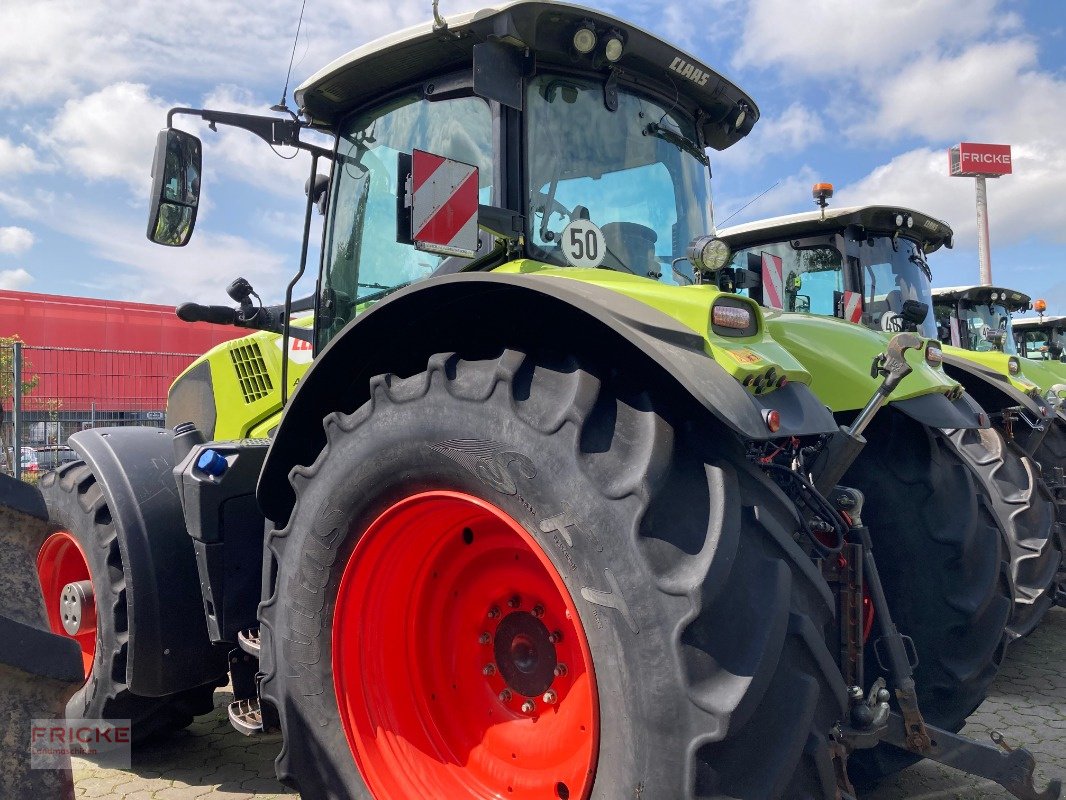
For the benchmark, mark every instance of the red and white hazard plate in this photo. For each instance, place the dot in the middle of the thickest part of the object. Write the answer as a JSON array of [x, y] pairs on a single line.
[[773, 281], [852, 302], [444, 202]]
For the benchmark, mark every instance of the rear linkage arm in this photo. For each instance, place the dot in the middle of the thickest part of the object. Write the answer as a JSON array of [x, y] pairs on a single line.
[[872, 721]]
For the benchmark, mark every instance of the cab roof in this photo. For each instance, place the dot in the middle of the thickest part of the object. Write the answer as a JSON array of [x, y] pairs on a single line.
[[931, 232], [1037, 322], [1013, 300], [546, 29]]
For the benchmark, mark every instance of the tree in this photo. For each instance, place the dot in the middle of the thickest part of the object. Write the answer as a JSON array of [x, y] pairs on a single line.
[[7, 392]]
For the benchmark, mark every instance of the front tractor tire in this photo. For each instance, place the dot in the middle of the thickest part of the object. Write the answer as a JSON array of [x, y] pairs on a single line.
[[945, 570], [516, 577], [83, 581]]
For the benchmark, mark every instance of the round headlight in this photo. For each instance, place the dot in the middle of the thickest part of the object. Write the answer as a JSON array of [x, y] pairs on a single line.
[[899, 220]]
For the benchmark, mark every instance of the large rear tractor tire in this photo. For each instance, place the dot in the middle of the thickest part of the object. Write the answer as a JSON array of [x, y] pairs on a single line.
[[945, 571], [1025, 512], [83, 581], [519, 578], [1051, 456]]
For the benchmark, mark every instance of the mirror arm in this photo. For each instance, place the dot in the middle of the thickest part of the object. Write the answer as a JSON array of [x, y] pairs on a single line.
[[272, 130]]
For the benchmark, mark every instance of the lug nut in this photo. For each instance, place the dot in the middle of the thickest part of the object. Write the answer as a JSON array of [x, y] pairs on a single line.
[[484, 638], [528, 707], [555, 637], [494, 612], [514, 602], [560, 670], [550, 697], [538, 611], [505, 696], [488, 669]]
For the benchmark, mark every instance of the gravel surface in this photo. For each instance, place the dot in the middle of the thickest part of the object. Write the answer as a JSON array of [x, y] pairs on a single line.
[[211, 760]]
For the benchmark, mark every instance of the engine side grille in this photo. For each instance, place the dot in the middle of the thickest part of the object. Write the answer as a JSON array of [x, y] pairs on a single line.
[[251, 372]]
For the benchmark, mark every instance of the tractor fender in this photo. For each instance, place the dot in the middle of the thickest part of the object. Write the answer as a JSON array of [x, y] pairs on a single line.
[[937, 411], [477, 314], [994, 392], [169, 649]]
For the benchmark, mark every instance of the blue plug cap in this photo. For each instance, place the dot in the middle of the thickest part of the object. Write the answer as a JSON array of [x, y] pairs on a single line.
[[213, 463]]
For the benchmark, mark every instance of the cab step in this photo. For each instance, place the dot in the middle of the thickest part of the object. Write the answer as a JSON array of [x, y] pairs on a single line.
[[246, 716]]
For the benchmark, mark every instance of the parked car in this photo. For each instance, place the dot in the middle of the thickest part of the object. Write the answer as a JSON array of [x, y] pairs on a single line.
[[43, 459]]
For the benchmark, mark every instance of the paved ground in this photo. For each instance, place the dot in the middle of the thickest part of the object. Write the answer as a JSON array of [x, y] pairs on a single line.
[[210, 760]]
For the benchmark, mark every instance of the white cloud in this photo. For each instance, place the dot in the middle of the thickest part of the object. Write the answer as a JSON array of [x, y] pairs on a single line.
[[109, 133], [17, 158], [988, 91], [14, 240], [67, 47], [15, 279], [842, 39]]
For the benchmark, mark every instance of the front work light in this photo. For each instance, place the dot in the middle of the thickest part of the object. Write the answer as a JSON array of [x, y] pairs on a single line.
[[612, 51], [709, 253], [585, 39]]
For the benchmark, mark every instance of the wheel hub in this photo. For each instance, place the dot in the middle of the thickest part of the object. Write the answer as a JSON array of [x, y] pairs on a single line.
[[525, 655], [77, 606]]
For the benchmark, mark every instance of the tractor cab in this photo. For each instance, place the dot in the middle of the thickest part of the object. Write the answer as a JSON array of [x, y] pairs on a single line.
[[978, 318], [863, 264], [586, 134], [1041, 338]]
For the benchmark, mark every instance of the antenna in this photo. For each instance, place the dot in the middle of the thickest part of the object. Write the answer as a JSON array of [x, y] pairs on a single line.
[[756, 197], [283, 106]]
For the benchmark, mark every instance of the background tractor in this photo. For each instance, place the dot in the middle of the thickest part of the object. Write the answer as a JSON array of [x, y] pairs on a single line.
[[536, 521], [869, 265], [1041, 338]]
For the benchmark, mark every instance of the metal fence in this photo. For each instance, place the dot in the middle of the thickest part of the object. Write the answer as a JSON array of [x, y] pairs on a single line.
[[49, 393]]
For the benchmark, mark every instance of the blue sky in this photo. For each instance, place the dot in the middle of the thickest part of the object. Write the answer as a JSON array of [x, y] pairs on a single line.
[[868, 95]]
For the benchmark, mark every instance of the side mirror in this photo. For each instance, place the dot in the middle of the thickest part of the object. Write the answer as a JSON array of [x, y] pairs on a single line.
[[175, 188]]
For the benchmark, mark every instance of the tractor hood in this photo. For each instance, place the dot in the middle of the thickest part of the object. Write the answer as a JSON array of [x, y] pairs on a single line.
[[839, 355], [996, 365]]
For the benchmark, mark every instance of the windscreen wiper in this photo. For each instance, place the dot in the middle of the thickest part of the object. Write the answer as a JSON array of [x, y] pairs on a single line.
[[679, 141]]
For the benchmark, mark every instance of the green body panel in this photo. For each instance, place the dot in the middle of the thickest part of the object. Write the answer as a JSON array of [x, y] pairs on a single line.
[[246, 382], [839, 355], [1044, 374], [995, 361], [833, 357]]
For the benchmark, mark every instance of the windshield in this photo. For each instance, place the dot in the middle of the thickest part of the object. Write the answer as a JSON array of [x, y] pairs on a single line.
[[1041, 344], [636, 174], [364, 262], [984, 327], [894, 271]]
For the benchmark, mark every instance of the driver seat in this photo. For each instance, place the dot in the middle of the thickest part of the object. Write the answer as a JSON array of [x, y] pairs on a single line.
[[632, 244]]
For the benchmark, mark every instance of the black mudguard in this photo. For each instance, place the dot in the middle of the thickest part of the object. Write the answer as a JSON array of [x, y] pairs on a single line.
[[937, 411], [995, 393], [477, 314], [169, 649]]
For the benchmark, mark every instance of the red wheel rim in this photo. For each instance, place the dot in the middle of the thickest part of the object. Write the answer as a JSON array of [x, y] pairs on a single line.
[[61, 562], [446, 606]]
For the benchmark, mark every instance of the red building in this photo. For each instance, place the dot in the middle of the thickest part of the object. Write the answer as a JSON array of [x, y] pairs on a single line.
[[97, 362]]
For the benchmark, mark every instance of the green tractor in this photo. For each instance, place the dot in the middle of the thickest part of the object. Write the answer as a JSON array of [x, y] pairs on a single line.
[[869, 265], [1042, 338], [548, 514]]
